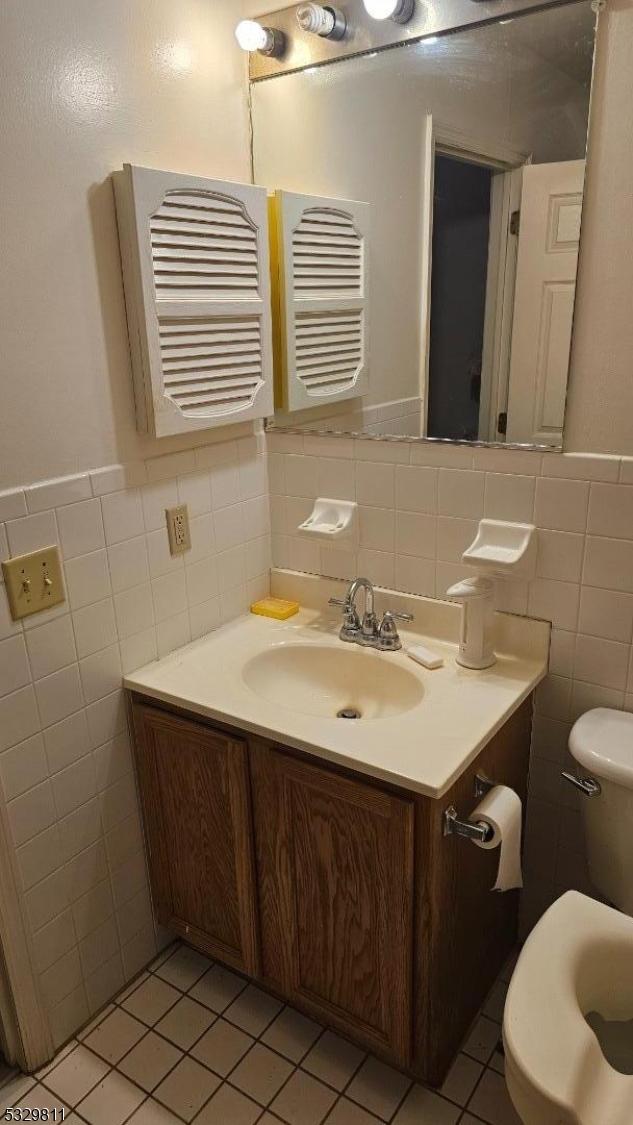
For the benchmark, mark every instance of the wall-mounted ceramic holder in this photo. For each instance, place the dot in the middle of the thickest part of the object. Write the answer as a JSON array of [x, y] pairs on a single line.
[[331, 519], [506, 550]]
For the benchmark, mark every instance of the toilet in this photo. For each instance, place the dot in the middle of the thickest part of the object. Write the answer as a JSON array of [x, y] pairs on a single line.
[[568, 1020]]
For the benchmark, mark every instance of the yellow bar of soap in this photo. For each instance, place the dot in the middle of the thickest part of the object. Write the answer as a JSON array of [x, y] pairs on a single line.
[[278, 608]]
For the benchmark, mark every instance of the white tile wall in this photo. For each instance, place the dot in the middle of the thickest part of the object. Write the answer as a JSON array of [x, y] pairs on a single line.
[[412, 536], [65, 761]]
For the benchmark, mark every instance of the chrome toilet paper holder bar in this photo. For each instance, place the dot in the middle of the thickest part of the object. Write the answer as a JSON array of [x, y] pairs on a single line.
[[477, 830]]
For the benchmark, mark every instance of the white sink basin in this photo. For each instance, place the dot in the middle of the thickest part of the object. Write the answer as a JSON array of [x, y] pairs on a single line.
[[287, 681], [326, 681]]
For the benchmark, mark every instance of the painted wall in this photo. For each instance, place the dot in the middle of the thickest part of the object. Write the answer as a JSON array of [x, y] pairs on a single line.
[[600, 404], [83, 88]]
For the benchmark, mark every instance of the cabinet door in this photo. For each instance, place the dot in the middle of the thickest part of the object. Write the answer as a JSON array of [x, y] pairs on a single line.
[[335, 862], [196, 805]]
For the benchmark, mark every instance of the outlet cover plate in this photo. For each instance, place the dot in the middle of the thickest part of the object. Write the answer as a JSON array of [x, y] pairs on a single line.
[[178, 529], [33, 582]]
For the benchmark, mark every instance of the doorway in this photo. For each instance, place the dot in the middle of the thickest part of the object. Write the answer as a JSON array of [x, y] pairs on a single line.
[[460, 251]]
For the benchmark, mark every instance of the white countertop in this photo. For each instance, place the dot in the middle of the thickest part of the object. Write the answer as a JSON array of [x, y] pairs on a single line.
[[423, 749]]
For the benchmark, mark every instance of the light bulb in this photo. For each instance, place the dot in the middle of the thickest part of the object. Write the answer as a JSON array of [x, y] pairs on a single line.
[[253, 36], [316, 19], [398, 10]]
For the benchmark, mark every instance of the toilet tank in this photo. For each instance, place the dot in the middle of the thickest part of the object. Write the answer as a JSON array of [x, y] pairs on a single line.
[[601, 741]]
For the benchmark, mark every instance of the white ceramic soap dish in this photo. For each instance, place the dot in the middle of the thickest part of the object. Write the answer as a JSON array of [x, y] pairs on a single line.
[[331, 519], [504, 549]]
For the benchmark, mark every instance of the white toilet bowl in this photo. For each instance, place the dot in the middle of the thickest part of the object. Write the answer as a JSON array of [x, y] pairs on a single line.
[[577, 960]]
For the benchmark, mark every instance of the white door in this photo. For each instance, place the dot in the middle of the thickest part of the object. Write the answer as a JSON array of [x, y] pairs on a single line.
[[549, 234]]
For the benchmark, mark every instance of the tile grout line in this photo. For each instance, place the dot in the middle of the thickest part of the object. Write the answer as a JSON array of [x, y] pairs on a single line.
[[296, 1065]]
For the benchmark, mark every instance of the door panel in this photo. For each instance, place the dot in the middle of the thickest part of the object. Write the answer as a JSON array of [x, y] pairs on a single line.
[[549, 237], [336, 874], [196, 804]]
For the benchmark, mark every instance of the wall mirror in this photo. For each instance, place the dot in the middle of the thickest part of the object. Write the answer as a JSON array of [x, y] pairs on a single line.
[[469, 148]]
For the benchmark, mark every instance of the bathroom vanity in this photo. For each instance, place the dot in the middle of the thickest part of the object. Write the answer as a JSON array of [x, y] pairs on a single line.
[[321, 868]]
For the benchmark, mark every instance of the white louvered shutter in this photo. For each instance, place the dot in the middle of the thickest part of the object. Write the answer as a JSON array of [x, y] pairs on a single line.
[[323, 268], [197, 290]]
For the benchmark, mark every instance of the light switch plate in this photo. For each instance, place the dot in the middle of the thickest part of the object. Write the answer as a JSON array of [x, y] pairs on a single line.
[[33, 582], [178, 529]]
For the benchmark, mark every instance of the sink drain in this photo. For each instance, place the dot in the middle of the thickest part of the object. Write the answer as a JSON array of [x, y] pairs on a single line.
[[348, 713]]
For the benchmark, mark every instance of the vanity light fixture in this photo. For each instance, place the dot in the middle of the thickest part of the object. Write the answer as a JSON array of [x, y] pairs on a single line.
[[253, 36], [322, 20], [400, 11]]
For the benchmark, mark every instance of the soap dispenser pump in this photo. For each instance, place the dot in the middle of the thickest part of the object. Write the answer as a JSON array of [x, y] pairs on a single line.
[[478, 598]]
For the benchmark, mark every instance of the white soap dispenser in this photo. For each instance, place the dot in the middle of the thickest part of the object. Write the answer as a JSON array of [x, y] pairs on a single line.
[[501, 549], [477, 596]]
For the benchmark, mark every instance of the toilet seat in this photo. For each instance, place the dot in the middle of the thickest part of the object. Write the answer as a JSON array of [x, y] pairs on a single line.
[[578, 959]]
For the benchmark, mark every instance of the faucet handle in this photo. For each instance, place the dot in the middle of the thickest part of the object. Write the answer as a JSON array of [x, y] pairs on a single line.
[[401, 616], [342, 602]]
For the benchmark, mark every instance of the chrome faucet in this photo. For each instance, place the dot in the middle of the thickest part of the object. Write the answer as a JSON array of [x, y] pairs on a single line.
[[366, 630]]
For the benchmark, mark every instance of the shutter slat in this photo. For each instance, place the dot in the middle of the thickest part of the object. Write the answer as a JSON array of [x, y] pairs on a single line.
[[211, 363], [202, 229], [327, 255], [202, 253]]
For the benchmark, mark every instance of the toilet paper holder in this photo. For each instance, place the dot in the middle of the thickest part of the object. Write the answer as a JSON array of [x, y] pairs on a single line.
[[477, 830]]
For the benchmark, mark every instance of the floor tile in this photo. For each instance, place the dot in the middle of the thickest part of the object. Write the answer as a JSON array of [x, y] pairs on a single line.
[[183, 968], [185, 1022], [461, 1079], [348, 1113], [72, 1078], [222, 1047], [152, 1113], [217, 988], [498, 1062], [292, 1034], [164, 955], [229, 1107], [40, 1098], [111, 1102], [334, 1060], [482, 1040], [132, 987], [187, 1088], [303, 1100], [115, 1036], [151, 1000], [491, 1101], [378, 1087], [99, 1018], [424, 1107], [17, 1088], [261, 1073], [66, 1049], [493, 1008], [253, 1010], [149, 1061]]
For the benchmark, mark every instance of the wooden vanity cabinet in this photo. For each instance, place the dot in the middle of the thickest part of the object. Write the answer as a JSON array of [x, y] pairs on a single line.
[[340, 893], [195, 795], [335, 868]]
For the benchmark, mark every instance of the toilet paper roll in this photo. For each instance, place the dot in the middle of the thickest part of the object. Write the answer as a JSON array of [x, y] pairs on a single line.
[[501, 809]]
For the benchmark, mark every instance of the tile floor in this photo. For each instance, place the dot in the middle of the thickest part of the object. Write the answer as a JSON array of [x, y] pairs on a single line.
[[190, 1041]]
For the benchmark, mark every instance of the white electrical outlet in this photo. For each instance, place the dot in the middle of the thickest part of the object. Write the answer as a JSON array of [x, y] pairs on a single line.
[[178, 529]]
